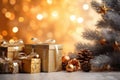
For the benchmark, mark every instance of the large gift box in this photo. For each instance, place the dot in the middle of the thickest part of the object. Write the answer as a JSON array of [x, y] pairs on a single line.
[[11, 51], [9, 67], [32, 65], [50, 55]]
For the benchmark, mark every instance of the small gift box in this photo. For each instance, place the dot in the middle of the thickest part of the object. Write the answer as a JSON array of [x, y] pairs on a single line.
[[9, 67], [11, 51], [31, 65], [11, 48], [50, 55]]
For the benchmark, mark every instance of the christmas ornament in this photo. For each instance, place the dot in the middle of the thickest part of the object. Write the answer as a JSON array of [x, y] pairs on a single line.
[[103, 41], [65, 60], [75, 63], [70, 68]]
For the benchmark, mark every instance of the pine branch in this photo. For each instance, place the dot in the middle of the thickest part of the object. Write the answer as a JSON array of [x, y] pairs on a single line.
[[103, 24], [91, 34], [99, 62], [81, 45], [113, 19], [96, 6], [113, 4]]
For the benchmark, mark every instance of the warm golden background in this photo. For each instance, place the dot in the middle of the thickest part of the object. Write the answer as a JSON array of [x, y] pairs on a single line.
[[62, 20]]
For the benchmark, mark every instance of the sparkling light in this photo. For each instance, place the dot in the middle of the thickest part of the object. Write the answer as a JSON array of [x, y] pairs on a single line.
[[54, 14], [15, 29], [49, 1], [85, 6], [72, 17], [80, 20], [39, 16]]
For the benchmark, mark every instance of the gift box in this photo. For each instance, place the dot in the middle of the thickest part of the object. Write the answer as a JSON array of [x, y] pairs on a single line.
[[9, 67], [50, 55], [11, 51], [32, 65]]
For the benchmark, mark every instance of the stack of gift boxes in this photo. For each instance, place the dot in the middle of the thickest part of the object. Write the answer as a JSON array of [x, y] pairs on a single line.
[[30, 58]]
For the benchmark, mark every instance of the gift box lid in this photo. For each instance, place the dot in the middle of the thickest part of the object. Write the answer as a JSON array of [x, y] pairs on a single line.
[[45, 46]]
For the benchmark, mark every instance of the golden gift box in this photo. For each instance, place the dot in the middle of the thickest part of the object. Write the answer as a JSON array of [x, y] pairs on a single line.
[[11, 51], [32, 65], [9, 67], [50, 55]]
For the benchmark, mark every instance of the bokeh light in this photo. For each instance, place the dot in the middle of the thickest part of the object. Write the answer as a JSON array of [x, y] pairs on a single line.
[[62, 20], [39, 16], [49, 1], [80, 20], [4, 33], [21, 19], [85, 6], [15, 29], [1, 37]]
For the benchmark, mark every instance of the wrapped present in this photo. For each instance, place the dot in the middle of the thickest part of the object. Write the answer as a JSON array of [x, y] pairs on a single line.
[[32, 65], [9, 67], [11, 51], [11, 48], [50, 54]]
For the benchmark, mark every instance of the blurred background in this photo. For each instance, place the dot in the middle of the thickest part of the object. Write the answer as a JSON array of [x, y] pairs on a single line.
[[62, 20]]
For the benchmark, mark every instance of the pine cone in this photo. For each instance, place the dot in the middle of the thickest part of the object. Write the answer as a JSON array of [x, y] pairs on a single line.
[[86, 67], [84, 55]]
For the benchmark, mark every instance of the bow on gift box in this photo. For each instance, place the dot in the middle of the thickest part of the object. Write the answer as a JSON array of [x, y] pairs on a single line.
[[48, 41]]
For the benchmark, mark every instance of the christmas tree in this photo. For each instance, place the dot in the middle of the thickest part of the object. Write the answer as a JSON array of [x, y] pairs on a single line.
[[106, 36]]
